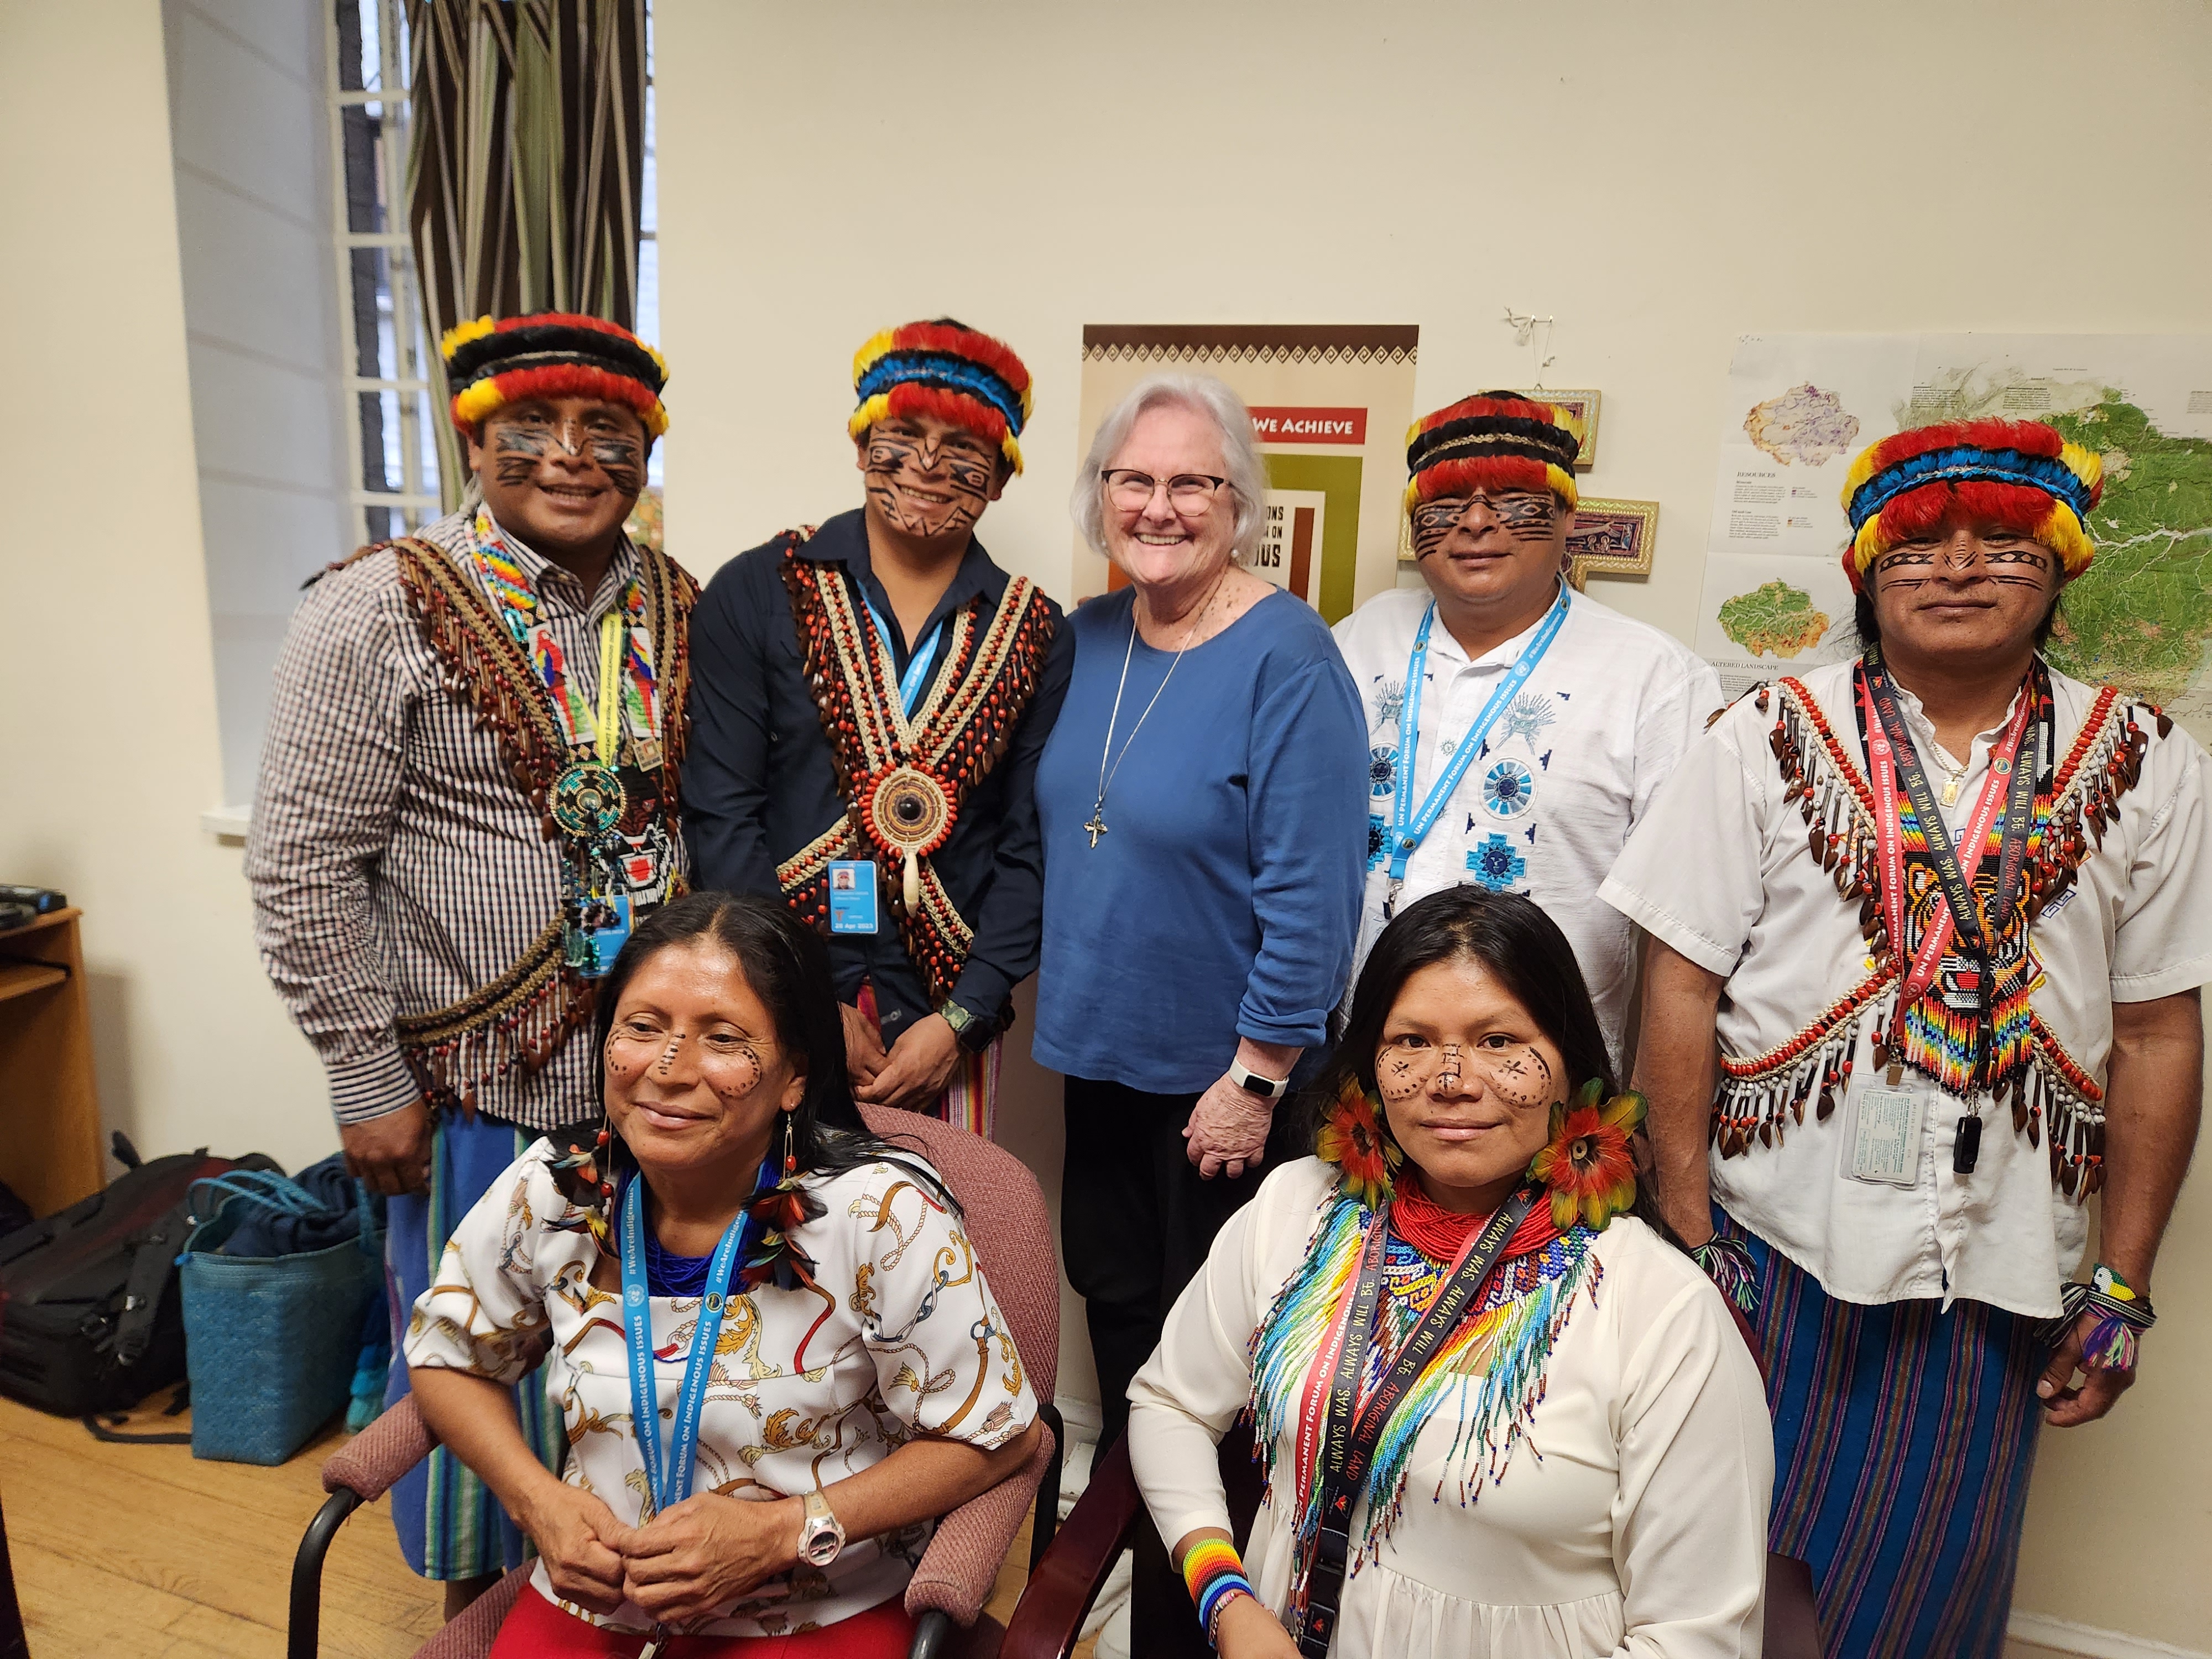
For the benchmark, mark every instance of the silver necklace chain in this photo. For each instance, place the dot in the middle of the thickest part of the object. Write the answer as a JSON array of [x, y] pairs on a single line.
[[1096, 826]]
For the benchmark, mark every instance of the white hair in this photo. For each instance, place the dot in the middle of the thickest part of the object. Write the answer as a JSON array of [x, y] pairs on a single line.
[[1240, 455]]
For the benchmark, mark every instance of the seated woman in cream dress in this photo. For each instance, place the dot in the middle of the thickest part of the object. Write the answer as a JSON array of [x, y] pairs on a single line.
[[773, 1349], [1502, 1416]]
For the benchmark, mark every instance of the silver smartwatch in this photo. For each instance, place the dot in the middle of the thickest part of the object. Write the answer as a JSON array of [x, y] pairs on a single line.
[[1266, 1088], [821, 1534]]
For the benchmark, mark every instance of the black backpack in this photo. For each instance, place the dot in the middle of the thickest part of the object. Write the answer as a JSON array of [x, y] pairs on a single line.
[[90, 1318]]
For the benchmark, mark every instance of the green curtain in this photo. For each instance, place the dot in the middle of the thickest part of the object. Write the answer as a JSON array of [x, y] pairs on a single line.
[[526, 164]]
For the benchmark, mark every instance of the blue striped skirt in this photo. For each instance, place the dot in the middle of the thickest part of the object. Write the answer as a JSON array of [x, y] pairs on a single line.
[[450, 1525], [1903, 1440]]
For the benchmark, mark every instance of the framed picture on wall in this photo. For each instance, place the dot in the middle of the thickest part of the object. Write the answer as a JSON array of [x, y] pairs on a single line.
[[1611, 539], [1581, 409]]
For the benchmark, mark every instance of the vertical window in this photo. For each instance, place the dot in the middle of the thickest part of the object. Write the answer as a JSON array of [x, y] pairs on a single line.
[[648, 240], [391, 428]]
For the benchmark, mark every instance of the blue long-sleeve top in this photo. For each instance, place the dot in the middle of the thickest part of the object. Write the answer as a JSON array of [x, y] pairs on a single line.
[[1222, 900]]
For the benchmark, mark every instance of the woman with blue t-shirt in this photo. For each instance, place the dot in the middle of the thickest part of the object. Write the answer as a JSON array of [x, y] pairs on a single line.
[[1203, 806]]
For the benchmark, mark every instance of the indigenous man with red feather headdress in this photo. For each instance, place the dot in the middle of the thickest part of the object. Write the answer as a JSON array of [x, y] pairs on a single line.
[[871, 700], [1517, 730], [467, 795], [1916, 919]]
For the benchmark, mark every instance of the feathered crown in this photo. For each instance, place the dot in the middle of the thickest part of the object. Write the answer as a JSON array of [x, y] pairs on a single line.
[[945, 369], [1495, 440], [554, 353], [2020, 475]]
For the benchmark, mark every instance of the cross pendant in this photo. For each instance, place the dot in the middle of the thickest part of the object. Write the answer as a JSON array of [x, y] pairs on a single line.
[[1096, 826]]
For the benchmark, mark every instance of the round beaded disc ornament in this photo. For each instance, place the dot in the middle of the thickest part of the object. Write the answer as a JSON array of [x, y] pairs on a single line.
[[588, 800], [909, 814]]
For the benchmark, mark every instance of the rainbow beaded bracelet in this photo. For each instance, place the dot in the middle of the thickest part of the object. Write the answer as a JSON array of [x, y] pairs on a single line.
[[1215, 1575]]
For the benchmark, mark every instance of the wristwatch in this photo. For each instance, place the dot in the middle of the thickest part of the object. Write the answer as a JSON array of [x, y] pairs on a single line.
[[1266, 1088], [975, 1033], [821, 1534]]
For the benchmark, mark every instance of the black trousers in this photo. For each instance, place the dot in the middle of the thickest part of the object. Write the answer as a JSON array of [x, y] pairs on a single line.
[[1136, 1221]]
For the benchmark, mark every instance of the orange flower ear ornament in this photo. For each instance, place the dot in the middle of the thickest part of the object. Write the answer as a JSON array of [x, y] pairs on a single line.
[[1351, 1138], [1588, 1166]]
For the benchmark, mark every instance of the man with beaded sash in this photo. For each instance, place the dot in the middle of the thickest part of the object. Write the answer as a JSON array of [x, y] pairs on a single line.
[[1517, 730], [1915, 920], [871, 699], [468, 795]]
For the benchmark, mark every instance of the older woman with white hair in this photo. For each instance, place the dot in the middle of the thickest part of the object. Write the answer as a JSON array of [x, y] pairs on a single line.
[[1203, 807]]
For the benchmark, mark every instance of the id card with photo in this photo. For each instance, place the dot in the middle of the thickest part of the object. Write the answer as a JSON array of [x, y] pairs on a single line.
[[1887, 1126], [852, 896]]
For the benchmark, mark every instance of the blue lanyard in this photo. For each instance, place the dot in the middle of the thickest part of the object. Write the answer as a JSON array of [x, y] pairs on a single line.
[[916, 679], [669, 1478], [1408, 827]]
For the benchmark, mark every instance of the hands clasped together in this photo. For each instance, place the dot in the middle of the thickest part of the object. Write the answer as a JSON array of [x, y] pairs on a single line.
[[698, 1555]]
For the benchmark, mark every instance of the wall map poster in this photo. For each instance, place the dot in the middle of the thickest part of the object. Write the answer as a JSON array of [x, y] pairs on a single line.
[[1800, 407], [1331, 404]]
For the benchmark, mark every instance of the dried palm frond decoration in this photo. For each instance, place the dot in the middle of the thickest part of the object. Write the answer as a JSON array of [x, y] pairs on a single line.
[[526, 165]]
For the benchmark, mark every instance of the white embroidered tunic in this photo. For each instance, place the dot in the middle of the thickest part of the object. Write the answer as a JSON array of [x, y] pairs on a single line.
[[805, 1388], [1723, 871], [1567, 770], [1630, 1519]]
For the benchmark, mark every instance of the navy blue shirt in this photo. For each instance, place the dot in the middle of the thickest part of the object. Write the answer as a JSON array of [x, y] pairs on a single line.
[[759, 784], [1224, 898]]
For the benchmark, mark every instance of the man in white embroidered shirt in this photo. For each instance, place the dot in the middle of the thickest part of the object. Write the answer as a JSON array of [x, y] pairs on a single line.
[[1546, 721], [1914, 919]]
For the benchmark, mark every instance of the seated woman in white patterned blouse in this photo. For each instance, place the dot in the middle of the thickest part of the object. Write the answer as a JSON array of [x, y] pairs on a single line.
[[827, 1368]]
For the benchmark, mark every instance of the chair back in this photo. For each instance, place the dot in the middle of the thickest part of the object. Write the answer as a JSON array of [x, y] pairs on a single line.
[[1005, 1220]]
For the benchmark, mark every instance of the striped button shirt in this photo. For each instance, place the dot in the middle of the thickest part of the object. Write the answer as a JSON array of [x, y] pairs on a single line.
[[396, 865]]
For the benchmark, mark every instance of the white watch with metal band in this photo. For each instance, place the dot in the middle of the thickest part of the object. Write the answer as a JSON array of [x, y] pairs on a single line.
[[821, 1534], [1266, 1088]]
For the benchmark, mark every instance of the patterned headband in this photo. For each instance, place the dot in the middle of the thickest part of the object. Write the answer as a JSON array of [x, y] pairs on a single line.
[[945, 369], [490, 364], [2022, 474], [1495, 439]]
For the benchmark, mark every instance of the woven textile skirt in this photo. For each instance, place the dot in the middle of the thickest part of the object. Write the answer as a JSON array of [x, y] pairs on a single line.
[[1903, 1440], [450, 1526]]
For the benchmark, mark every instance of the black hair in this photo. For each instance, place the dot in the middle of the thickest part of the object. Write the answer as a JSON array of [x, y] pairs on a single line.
[[787, 967], [1518, 945]]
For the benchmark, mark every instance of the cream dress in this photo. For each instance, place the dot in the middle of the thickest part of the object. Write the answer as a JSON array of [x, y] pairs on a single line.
[[1630, 1520]]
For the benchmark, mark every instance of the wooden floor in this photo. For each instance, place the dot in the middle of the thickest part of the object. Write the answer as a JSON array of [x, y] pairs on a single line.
[[133, 1552]]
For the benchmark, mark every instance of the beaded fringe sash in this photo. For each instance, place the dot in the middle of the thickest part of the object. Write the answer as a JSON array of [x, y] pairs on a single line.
[[2050, 1095]]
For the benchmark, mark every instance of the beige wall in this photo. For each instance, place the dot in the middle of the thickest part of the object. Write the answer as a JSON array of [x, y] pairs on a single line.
[[1661, 179], [111, 748]]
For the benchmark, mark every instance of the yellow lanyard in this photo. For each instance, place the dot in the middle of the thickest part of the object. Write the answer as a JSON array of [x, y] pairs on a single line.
[[607, 717]]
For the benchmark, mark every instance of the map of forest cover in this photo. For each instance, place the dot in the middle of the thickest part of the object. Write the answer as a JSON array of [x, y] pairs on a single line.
[[1773, 618], [1804, 424], [2140, 617]]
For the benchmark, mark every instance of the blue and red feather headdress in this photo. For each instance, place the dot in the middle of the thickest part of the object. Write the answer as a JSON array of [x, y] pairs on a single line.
[[942, 368], [2020, 476]]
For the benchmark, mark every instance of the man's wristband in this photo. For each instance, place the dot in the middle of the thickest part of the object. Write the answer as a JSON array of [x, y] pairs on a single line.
[[2121, 1314]]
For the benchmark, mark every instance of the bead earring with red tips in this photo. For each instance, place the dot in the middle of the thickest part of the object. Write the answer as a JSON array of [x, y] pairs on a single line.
[[790, 1155]]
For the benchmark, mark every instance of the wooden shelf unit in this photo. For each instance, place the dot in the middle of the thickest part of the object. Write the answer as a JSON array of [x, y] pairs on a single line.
[[50, 1150]]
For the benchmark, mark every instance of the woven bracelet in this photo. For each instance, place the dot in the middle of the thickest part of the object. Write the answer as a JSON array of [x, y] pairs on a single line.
[[2121, 1314]]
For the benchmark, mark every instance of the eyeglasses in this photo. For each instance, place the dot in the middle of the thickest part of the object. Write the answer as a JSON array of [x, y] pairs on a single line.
[[1187, 492]]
